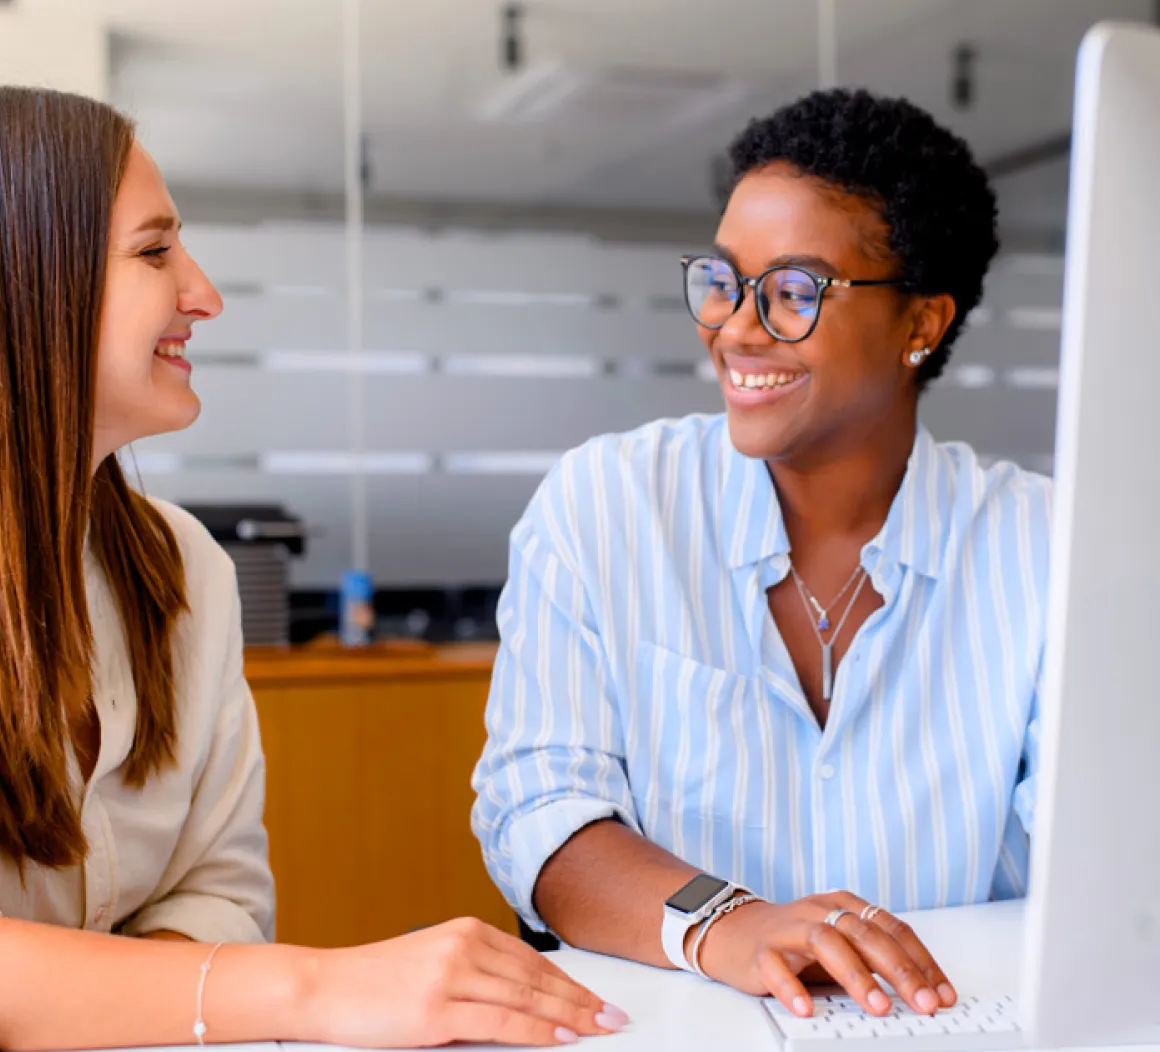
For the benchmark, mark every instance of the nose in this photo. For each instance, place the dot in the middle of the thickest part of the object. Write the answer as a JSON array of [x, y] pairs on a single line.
[[197, 296], [743, 327]]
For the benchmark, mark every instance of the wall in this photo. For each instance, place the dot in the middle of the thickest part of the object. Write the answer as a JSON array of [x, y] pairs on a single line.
[[56, 45]]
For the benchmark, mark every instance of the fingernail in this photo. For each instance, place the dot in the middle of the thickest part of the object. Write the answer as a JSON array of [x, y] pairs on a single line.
[[611, 1018], [946, 994], [879, 1001], [802, 1007], [566, 1036], [926, 1000]]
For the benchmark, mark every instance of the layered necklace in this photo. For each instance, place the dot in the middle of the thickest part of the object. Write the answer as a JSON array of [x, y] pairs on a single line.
[[820, 619]]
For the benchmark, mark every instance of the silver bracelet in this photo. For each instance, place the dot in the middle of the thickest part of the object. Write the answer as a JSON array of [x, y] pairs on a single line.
[[714, 917], [199, 1023]]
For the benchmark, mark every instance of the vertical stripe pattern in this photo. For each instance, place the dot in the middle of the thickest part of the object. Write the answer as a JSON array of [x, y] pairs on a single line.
[[641, 677]]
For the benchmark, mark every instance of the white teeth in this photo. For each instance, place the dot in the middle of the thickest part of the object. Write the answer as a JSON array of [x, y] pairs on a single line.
[[761, 381], [171, 350]]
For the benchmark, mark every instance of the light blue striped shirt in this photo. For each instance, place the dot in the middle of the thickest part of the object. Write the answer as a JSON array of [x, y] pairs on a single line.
[[641, 676]]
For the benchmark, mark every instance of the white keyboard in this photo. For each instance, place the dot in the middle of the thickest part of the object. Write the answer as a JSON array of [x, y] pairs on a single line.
[[975, 1024]]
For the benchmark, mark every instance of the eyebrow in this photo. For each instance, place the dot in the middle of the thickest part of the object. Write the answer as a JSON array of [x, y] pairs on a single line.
[[159, 222], [817, 263]]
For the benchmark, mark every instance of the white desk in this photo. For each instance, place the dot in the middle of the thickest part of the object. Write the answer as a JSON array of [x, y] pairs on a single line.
[[978, 946], [684, 1013], [677, 1012]]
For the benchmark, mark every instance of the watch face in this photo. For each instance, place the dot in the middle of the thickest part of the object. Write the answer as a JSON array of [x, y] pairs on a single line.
[[696, 893]]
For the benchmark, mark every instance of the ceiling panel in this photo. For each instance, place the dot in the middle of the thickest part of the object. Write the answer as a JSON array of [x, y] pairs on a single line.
[[249, 95]]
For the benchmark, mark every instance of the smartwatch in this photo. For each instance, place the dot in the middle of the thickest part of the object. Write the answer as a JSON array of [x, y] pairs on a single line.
[[687, 907]]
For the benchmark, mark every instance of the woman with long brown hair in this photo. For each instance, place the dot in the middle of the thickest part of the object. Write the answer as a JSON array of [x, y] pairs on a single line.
[[135, 892]]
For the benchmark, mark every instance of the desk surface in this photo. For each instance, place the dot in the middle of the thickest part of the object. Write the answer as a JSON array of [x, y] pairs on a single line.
[[978, 946], [683, 1013]]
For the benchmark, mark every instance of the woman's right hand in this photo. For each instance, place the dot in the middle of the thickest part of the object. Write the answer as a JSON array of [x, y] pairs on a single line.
[[769, 949], [459, 981]]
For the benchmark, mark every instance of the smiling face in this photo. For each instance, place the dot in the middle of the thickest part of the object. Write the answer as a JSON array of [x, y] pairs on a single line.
[[826, 394], [154, 292]]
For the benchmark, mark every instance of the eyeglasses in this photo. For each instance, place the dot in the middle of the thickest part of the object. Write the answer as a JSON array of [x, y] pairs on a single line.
[[789, 299]]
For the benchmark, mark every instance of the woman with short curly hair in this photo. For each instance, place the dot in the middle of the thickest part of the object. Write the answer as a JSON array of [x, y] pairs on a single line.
[[752, 658]]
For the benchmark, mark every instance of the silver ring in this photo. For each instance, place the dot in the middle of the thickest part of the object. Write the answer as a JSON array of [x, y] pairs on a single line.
[[834, 916], [869, 912]]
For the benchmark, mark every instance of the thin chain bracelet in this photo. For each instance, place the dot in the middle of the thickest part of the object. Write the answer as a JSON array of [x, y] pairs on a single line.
[[199, 1022]]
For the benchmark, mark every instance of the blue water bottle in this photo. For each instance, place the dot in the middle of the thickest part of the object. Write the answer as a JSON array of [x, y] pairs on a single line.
[[356, 609]]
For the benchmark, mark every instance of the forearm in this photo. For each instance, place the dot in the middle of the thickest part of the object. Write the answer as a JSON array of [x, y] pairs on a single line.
[[605, 890], [65, 989]]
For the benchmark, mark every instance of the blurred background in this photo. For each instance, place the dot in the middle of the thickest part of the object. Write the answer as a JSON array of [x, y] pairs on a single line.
[[447, 236], [529, 175]]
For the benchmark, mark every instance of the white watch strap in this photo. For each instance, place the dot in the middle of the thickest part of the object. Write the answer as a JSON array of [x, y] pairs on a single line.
[[676, 925], [674, 928]]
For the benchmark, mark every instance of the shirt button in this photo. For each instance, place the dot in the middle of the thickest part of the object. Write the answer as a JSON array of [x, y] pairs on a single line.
[[827, 771]]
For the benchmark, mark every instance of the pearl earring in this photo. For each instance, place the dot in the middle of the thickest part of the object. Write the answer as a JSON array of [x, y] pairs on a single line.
[[916, 357]]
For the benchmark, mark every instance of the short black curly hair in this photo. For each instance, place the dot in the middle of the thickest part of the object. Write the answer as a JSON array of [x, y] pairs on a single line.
[[936, 201]]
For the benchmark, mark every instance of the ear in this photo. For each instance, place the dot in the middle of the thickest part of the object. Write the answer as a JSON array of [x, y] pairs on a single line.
[[931, 316]]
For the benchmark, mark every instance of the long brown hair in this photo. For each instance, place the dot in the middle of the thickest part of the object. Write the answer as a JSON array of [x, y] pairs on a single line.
[[62, 158]]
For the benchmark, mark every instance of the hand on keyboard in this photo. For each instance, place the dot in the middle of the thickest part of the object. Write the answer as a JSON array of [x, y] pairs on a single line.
[[837, 1016], [767, 949]]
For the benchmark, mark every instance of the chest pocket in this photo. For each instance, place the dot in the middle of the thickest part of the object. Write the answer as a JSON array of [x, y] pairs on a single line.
[[693, 721]]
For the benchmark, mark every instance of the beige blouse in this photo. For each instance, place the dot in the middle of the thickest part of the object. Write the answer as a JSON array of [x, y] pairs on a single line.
[[186, 853]]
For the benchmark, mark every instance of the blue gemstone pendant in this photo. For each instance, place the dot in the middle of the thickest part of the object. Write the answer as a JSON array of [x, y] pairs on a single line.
[[823, 624]]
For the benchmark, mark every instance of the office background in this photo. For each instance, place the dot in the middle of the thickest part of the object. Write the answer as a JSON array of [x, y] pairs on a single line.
[[528, 176], [530, 180]]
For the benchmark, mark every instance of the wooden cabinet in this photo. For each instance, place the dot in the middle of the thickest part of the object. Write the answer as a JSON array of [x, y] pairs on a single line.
[[369, 760]]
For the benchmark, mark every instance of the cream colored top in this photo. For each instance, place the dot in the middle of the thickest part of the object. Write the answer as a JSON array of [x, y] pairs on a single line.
[[186, 853]]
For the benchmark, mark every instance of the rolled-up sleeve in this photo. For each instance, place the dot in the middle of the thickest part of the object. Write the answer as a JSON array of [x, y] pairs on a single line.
[[1038, 514], [554, 759], [218, 886], [1027, 786], [1013, 870]]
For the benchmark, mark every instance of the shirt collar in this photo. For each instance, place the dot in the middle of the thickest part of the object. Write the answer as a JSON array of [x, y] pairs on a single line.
[[753, 529], [914, 532]]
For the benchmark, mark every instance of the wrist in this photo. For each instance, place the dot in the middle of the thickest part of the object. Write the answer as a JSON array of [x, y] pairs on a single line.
[[252, 993], [686, 910], [718, 947], [694, 933], [303, 993]]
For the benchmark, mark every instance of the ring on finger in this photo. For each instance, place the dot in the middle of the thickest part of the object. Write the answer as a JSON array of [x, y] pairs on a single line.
[[834, 916], [869, 912]]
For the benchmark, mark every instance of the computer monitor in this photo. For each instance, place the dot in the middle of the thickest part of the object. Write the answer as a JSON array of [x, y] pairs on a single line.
[[1092, 951]]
